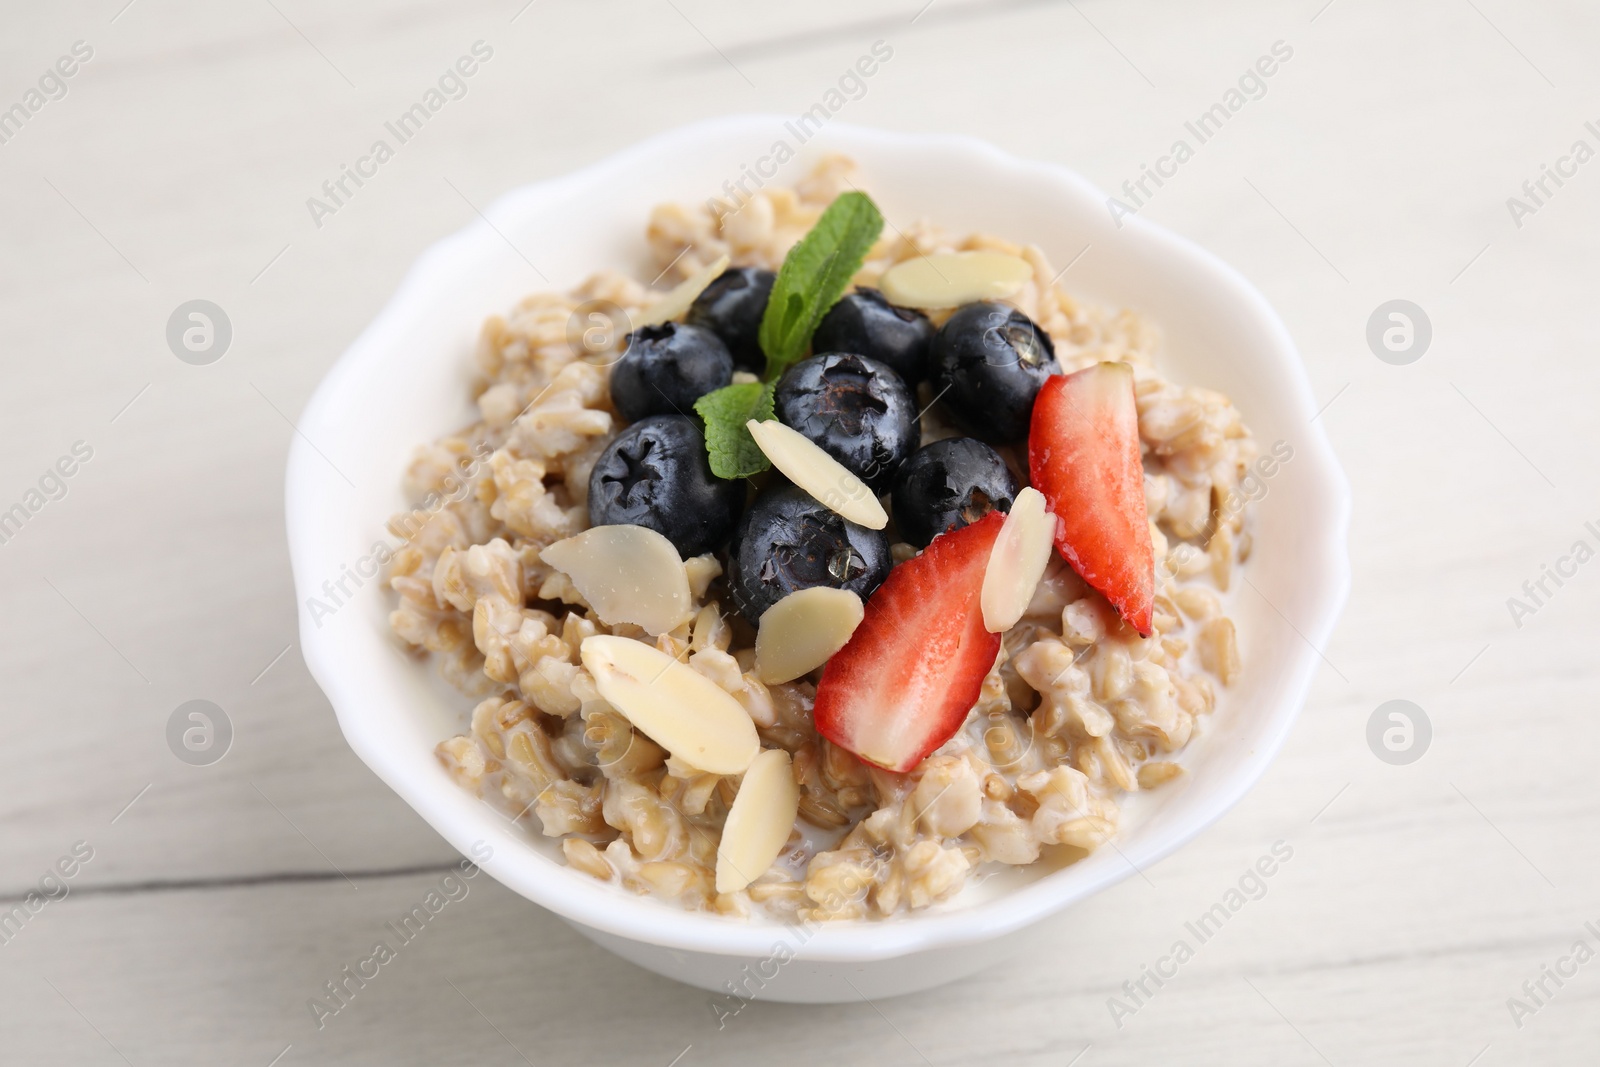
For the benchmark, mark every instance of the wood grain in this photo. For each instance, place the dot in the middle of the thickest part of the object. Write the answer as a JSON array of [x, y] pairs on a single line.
[[1375, 165]]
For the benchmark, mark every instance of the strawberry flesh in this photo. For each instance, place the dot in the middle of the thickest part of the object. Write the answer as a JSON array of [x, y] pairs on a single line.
[[1083, 455], [914, 668]]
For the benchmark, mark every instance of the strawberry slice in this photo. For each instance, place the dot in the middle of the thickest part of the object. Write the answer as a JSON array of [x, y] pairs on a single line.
[[903, 684], [1083, 455]]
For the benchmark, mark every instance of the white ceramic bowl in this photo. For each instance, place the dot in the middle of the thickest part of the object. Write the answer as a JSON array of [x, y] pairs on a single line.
[[404, 382]]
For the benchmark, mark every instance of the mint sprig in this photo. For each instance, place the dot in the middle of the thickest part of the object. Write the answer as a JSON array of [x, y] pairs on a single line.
[[813, 277], [729, 446]]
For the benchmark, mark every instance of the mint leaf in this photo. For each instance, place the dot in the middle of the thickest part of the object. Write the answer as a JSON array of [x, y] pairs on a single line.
[[733, 453], [814, 276]]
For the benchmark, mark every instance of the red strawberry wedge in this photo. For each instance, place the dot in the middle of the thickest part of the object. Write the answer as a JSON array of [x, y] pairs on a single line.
[[915, 666], [1083, 455]]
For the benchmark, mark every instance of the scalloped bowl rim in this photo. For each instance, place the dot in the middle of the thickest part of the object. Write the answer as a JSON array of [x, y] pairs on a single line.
[[464, 820]]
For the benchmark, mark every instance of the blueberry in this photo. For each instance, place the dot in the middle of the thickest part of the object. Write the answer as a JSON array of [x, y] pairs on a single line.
[[948, 484], [664, 369], [868, 325], [788, 541], [988, 361], [656, 474], [856, 409], [731, 307]]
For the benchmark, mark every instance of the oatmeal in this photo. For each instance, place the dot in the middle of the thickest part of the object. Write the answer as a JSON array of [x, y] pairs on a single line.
[[817, 614]]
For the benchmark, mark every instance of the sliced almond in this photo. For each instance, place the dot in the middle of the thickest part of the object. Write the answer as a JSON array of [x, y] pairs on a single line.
[[759, 821], [672, 704], [818, 473], [798, 633], [951, 279], [1016, 563], [683, 294], [626, 574]]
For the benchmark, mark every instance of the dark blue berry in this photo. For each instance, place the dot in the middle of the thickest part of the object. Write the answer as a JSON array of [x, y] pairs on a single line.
[[656, 474], [947, 485], [664, 369], [731, 307], [787, 541], [988, 362], [868, 325], [856, 409]]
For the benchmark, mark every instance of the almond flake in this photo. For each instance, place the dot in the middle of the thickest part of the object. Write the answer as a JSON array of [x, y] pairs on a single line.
[[626, 574], [1016, 563], [673, 704], [951, 279], [812, 469], [683, 294], [798, 633], [759, 821]]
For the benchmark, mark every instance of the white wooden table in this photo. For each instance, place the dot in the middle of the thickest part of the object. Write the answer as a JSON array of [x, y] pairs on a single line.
[[1376, 165]]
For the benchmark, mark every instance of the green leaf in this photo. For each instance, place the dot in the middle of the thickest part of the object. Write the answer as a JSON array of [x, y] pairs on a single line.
[[733, 453], [814, 276]]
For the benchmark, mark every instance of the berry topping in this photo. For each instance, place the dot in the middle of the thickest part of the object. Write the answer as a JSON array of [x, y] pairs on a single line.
[[1083, 455], [905, 681], [731, 307], [987, 362], [855, 409], [949, 484], [655, 474], [665, 368], [789, 541], [868, 325]]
